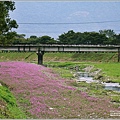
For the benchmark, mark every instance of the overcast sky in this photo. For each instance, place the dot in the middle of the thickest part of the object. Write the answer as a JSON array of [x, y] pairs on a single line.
[[34, 17]]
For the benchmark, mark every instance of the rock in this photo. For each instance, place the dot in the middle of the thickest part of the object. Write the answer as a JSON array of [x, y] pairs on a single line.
[[88, 69]]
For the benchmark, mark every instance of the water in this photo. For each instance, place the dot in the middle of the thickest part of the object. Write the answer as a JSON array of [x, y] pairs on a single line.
[[112, 86], [88, 79], [85, 76]]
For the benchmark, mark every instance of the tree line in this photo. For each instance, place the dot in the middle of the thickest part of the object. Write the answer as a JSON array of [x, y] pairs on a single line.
[[103, 37], [9, 37]]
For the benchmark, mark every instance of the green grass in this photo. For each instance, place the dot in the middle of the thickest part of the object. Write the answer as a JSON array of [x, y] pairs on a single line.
[[8, 105], [93, 89], [18, 56], [110, 69], [78, 57], [65, 73], [115, 98]]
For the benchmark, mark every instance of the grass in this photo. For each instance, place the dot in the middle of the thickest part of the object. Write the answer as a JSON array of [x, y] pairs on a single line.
[[8, 105], [18, 56], [79, 57], [87, 57], [65, 73], [110, 69]]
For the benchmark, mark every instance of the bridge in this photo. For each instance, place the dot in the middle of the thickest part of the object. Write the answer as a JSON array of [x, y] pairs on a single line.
[[42, 48]]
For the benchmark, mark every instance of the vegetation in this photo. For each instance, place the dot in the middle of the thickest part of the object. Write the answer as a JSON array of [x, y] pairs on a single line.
[[103, 37], [44, 94], [63, 65], [41, 92], [6, 24], [111, 70], [21, 56], [8, 105], [78, 57]]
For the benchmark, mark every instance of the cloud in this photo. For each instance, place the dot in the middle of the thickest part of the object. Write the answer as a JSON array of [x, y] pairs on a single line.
[[78, 14]]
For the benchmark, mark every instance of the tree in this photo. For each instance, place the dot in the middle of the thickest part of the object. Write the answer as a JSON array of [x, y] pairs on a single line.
[[86, 38], [116, 41], [32, 40], [33, 36], [67, 38], [19, 38], [6, 24], [110, 34], [46, 40], [95, 38]]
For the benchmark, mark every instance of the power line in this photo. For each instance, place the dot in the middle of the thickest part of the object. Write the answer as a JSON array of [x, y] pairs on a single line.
[[72, 23]]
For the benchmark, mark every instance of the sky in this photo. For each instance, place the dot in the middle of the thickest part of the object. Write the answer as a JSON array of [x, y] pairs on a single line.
[[54, 18]]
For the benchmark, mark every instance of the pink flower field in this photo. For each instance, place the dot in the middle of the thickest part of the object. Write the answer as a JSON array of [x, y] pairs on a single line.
[[41, 93]]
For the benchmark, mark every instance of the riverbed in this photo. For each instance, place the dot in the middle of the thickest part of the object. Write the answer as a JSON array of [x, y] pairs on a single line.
[[85, 77]]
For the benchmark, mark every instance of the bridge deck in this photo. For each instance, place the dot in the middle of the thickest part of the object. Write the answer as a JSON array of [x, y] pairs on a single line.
[[61, 48], [40, 49]]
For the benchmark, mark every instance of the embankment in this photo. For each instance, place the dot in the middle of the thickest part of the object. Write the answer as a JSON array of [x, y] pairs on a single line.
[[79, 57]]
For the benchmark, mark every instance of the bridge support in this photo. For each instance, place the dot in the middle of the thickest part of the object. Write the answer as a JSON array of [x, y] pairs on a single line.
[[40, 57], [118, 54]]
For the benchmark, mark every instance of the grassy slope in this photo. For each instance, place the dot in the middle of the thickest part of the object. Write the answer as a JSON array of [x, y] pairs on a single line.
[[8, 105], [21, 56], [32, 57], [91, 57], [110, 69]]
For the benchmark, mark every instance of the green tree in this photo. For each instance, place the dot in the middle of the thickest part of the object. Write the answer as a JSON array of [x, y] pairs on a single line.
[[94, 38], [19, 38], [110, 34], [33, 36], [46, 40], [116, 41], [68, 38], [6, 24], [32, 40], [86, 38]]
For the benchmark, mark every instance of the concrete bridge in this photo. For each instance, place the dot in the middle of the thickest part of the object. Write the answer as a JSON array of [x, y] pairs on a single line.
[[42, 48]]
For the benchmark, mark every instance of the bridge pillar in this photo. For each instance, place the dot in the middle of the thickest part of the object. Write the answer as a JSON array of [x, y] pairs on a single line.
[[118, 54], [40, 57]]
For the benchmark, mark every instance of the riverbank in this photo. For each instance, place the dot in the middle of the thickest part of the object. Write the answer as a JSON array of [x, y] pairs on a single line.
[[99, 71], [105, 61], [42, 93], [78, 57], [61, 68]]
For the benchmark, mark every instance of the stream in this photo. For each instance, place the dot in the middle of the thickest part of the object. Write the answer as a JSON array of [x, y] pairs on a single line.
[[84, 76]]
